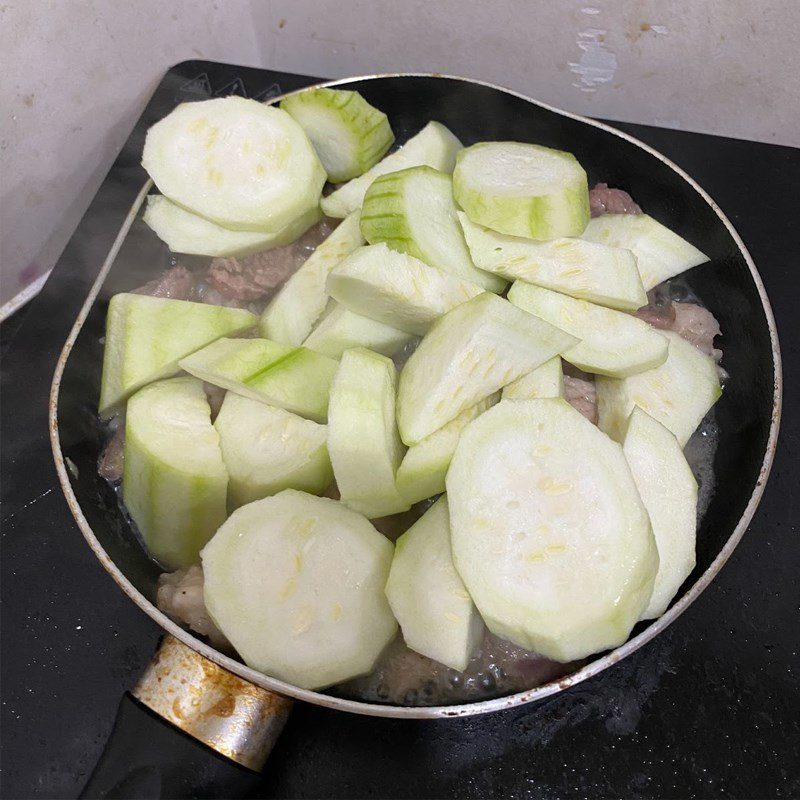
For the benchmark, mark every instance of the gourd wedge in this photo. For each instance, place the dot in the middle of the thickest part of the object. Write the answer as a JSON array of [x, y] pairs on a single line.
[[424, 467], [660, 253], [267, 450], [396, 289], [546, 380], [678, 394], [174, 480], [146, 337], [612, 342], [291, 314], [293, 378], [364, 447], [341, 329], [470, 353], [669, 493], [427, 596], [589, 271]]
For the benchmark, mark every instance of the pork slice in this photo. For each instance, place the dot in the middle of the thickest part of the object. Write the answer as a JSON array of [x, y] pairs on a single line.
[[112, 459], [250, 277], [175, 283], [660, 310], [605, 200], [698, 326], [180, 596], [215, 395], [581, 394]]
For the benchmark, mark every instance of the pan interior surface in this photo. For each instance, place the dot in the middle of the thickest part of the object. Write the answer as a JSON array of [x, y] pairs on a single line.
[[747, 414]]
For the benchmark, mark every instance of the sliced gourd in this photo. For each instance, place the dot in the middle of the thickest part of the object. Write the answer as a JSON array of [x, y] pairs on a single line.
[[341, 329], [413, 211], [240, 163], [174, 480], [185, 232], [363, 443], [267, 450], [669, 493], [548, 531], [396, 289], [660, 253], [295, 582], [291, 314], [589, 271], [612, 342], [293, 378], [522, 189], [434, 145], [424, 467], [146, 337], [544, 381], [470, 353], [349, 134], [427, 596], [678, 394]]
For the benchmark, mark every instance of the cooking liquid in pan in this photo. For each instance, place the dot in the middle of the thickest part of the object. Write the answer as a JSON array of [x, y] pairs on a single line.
[[403, 677]]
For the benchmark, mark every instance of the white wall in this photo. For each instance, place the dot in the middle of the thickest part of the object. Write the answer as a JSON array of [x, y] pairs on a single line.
[[77, 73]]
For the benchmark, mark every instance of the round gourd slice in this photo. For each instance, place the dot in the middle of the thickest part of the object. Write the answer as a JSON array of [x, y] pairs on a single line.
[[185, 232], [548, 531], [295, 582], [240, 163], [522, 189]]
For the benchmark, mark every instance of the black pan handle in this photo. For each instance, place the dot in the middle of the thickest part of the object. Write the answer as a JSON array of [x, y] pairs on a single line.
[[147, 758], [190, 729]]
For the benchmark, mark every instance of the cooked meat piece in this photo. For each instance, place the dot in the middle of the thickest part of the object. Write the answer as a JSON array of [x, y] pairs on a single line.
[[659, 311], [112, 459], [698, 326], [250, 277], [176, 284], [604, 200], [658, 315], [215, 395], [180, 596], [581, 394]]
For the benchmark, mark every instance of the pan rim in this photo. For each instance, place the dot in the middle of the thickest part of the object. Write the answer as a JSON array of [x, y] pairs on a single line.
[[466, 709]]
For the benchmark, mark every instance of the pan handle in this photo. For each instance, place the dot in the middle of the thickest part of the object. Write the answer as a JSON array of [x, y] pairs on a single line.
[[189, 729]]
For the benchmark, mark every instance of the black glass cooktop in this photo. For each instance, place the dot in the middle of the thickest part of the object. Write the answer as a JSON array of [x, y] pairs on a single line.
[[689, 715]]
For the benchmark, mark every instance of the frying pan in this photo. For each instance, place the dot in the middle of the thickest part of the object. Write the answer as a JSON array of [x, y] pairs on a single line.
[[239, 712]]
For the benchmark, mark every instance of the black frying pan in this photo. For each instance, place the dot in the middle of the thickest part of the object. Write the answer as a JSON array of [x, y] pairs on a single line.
[[747, 414]]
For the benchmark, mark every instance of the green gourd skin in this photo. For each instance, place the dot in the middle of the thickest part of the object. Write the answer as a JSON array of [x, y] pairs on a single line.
[[349, 134], [174, 481]]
